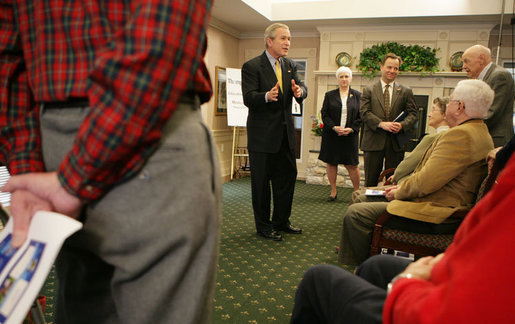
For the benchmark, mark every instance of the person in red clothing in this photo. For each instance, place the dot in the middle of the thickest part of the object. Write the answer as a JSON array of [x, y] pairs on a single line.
[[100, 120], [469, 283]]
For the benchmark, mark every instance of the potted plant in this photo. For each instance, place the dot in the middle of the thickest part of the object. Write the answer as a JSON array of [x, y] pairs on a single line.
[[317, 126], [415, 58]]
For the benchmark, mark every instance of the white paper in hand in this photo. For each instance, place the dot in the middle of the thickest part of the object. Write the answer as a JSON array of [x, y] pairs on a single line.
[[372, 192], [23, 271]]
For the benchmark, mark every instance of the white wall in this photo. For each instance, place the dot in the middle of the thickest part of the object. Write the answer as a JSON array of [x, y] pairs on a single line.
[[447, 38]]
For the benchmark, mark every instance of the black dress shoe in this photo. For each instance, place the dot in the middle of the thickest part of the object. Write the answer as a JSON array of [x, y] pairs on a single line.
[[290, 229], [331, 198], [273, 235]]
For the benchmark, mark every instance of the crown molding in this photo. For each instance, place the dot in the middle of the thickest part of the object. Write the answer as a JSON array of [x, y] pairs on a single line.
[[403, 26], [220, 25], [404, 73]]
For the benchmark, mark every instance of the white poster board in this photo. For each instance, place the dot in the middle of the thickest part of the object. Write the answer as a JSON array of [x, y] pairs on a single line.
[[236, 111]]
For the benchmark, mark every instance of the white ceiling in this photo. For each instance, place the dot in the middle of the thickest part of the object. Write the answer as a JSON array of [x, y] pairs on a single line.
[[242, 20]]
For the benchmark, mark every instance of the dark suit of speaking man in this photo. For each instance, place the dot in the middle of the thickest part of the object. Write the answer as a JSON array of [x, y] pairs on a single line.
[[270, 132], [477, 62], [379, 142]]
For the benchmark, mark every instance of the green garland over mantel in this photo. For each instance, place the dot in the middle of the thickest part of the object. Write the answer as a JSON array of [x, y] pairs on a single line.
[[415, 58]]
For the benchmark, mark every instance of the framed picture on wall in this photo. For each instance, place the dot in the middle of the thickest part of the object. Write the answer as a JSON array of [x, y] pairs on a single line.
[[296, 108], [220, 91]]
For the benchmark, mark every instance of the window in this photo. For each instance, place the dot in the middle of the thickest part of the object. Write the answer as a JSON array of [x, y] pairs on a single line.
[[297, 109]]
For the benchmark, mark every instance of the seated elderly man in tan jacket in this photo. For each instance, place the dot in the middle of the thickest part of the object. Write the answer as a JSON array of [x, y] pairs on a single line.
[[446, 179]]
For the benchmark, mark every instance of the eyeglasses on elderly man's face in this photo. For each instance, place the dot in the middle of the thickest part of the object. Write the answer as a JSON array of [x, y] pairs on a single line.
[[453, 100]]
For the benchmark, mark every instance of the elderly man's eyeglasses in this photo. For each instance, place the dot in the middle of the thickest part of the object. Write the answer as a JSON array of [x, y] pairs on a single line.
[[454, 100]]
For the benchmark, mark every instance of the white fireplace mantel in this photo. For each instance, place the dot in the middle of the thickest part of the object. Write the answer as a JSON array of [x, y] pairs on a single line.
[[461, 75]]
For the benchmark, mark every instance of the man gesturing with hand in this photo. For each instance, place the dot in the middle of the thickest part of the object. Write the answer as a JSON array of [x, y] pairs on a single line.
[[269, 84]]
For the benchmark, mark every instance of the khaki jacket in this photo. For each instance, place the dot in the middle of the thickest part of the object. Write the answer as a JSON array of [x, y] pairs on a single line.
[[448, 177]]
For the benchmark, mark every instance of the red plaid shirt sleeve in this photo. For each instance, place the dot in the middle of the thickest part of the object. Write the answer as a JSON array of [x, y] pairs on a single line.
[[20, 146], [133, 77]]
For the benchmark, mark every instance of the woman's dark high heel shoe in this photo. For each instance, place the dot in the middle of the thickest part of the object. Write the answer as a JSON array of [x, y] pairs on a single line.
[[331, 198]]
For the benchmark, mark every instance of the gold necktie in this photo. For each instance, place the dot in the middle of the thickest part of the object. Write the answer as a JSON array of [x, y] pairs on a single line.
[[387, 102], [279, 73]]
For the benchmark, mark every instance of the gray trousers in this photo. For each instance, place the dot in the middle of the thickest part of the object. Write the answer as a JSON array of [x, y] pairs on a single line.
[[358, 226], [148, 250]]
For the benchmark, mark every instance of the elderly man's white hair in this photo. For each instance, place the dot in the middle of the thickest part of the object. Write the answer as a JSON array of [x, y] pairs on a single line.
[[343, 69], [480, 49], [476, 95]]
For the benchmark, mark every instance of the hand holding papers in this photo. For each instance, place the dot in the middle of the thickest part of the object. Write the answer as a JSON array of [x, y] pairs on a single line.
[[394, 126], [24, 270], [401, 117], [401, 137]]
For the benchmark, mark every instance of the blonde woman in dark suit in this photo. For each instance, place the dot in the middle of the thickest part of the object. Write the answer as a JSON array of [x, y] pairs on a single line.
[[341, 117]]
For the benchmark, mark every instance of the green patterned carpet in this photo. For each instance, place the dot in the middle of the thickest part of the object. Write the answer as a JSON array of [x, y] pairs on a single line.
[[257, 278], [49, 290]]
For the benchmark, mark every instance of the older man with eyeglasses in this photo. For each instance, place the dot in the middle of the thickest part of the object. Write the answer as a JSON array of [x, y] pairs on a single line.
[[446, 180]]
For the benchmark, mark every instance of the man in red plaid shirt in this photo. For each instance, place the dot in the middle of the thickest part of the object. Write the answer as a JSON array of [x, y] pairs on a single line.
[[99, 120]]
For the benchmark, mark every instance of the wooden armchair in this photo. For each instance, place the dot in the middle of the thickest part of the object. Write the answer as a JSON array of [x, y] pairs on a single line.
[[383, 177], [416, 243]]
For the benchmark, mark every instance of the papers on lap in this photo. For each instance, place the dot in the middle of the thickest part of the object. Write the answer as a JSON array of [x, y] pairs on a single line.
[[371, 192], [23, 271]]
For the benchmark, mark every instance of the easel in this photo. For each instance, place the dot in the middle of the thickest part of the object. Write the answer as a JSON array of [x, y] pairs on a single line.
[[237, 154]]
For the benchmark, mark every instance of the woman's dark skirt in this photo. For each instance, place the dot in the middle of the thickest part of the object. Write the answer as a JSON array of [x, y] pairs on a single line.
[[339, 149]]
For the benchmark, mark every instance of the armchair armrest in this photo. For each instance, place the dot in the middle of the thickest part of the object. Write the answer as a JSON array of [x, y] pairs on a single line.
[[383, 177], [378, 232]]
